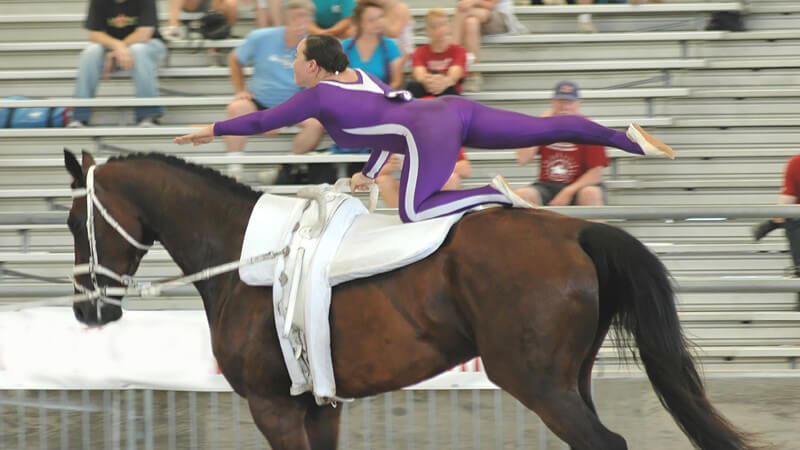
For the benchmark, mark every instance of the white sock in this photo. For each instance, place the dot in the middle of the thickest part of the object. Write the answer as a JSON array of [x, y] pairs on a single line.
[[470, 59], [584, 18]]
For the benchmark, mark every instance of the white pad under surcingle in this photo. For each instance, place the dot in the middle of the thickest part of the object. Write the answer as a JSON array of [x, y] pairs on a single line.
[[353, 244]]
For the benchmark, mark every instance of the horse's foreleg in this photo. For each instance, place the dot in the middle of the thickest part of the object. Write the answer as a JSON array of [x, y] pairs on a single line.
[[281, 420], [322, 426]]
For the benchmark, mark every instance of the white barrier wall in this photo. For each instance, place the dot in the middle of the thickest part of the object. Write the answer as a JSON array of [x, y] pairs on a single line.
[[47, 348]]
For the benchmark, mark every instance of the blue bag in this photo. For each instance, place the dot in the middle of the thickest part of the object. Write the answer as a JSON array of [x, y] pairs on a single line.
[[41, 117]]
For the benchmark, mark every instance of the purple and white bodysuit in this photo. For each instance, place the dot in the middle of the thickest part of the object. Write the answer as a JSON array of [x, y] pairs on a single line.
[[368, 114]]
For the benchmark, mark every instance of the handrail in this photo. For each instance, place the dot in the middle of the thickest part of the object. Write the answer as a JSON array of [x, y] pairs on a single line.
[[593, 212]]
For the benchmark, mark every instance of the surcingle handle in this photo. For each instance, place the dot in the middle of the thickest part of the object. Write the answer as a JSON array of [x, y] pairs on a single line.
[[343, 185]]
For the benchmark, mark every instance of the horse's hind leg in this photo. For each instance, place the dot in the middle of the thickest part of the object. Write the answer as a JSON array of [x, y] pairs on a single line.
[[281, 420], [585, 374], [542, 368], [322, 426]]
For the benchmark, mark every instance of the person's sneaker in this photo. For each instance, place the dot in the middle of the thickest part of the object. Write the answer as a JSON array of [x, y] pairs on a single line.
[[148, 122], [235, 171], [473, 83], [500, 183], [267, 176], [650, 145], [172, 33], [76, 124]]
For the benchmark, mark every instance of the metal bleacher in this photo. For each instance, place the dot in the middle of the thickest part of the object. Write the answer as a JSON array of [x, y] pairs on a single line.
[[726, 101]]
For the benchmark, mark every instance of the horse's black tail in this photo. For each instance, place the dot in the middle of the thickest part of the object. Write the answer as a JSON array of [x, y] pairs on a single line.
[[636, 290]]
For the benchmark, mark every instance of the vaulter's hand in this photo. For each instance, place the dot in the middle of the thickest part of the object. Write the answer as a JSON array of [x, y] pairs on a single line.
[[764, 228], [360, 182], [201, 136]]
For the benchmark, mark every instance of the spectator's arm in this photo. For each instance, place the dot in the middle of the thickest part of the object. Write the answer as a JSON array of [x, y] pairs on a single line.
[[419, 73], [337, 30], [104, 39], [396, 78], [237, 74], [463, 168], [454, 74], [591, 177], [140, 34]]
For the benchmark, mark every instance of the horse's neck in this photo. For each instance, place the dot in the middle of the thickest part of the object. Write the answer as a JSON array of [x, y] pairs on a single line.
[[200, 227]]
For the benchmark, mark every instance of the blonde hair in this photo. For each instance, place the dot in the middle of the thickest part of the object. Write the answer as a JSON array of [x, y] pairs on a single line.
[[434, 13]]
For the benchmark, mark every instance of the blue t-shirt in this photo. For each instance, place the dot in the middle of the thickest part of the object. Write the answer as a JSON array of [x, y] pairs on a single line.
[[330, 12], [272, 82], [384, 53]]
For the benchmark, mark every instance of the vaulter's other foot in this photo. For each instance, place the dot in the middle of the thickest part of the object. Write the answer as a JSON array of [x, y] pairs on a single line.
[[500, 183], [651, 145]]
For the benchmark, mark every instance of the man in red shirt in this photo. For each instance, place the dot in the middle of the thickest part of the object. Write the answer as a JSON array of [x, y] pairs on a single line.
[[789, 196], [438, 67], [569, 174]]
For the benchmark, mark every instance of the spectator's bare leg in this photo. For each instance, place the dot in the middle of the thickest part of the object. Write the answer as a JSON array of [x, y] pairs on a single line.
[[453, 183], [585, 20], [173, 11], [530, 194], [590, 196], [189, 5], [235, 109], [268, 13], [311, 132], [472, 31], [390, 189]]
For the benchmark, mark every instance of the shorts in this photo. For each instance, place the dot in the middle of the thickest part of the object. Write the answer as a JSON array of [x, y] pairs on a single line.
[[549, 189], [259, 106], [495, 25]]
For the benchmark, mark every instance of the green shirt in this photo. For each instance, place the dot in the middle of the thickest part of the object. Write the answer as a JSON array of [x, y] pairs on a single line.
[[330, 12]]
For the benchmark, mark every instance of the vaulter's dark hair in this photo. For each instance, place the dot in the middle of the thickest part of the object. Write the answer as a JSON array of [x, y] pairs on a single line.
[[327, 52]]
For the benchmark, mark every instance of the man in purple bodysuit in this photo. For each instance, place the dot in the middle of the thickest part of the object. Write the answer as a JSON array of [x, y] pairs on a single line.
[[360, 111]]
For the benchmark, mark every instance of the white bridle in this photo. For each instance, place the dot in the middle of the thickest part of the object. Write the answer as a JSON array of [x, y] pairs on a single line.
[[131, 287], [100, 294]]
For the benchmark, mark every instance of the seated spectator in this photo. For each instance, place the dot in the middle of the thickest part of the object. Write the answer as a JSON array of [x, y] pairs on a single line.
[[124, 36], [370, 50], [476, 18], [333, 18], [789, 196], [268, 13], [271, 51], [229, 8], [399, 25], [569, 174], [390, 186], [438, 67]]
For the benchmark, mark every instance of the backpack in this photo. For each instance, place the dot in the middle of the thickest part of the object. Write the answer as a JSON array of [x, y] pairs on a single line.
[[37, 117], [213, 25]]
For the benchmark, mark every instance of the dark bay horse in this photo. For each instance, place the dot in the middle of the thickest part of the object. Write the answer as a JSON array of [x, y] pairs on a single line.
[[531, 292]]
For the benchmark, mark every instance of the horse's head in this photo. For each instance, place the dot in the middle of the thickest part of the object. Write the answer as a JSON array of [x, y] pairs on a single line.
[[110, 240]]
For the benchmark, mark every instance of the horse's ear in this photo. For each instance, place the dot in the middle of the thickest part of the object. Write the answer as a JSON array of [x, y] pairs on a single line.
[[87, 160], [74, 168]]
